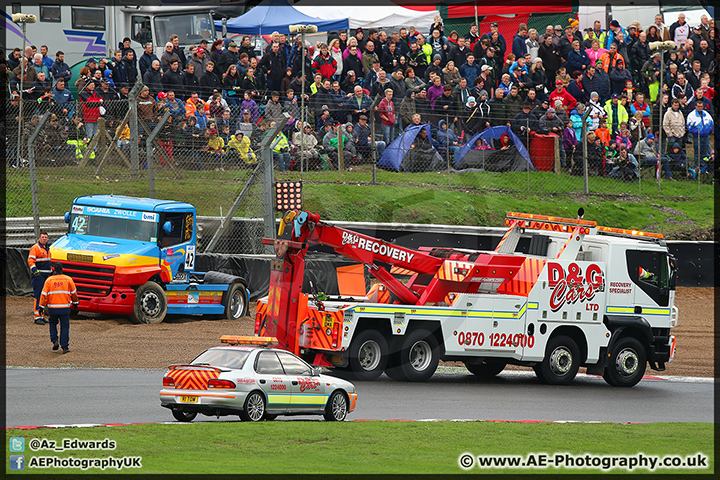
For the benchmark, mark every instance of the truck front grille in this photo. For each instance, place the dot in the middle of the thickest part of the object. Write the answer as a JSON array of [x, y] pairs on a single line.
[[91, 280]]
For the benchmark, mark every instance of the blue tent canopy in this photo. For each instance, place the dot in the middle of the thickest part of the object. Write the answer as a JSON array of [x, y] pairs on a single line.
[[494, 133], [276, 15], [393, 155]]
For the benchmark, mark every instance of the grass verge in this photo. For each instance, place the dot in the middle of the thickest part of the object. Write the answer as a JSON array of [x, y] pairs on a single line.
[[373, 447]]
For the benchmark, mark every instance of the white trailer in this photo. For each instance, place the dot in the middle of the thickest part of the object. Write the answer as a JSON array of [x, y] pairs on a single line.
[[85, 28]]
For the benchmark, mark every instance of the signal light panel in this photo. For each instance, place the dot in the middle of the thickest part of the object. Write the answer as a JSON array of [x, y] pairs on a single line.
[[288, 196]]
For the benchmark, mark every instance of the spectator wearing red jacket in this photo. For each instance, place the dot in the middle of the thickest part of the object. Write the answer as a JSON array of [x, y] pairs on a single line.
[[560, 93], [91, 103], [324, 63]]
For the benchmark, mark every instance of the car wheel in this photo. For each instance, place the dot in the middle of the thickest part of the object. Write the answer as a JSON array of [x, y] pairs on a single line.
[[337, 407], [235, 302], [488, 368], [150, 304], [254, 408], [368, 355], [628, 361], [561, 362], [417, 359], [183, 416]]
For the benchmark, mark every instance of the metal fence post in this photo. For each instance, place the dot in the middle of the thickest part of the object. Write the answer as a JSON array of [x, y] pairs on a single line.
[[585, 149], [149, 153], [33, 173], [269, 174], [134, 147]]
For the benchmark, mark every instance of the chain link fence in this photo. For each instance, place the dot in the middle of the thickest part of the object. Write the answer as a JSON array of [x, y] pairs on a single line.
[[207, 151]]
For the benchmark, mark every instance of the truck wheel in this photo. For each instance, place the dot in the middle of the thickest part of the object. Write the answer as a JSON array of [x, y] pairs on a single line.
[[254, 408], [418, 357], [627, 363], [368, 355], [489, 367], [150, 304], [235, 302], [337, 407], [561, 362], [183, 416]]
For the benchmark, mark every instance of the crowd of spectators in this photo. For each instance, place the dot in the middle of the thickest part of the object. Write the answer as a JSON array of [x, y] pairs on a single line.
[[223, 96]]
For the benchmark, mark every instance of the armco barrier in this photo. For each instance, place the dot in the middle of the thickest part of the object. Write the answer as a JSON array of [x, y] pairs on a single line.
[[694, 258]]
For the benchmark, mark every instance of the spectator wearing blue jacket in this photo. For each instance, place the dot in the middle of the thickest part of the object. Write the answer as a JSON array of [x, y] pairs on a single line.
[[470, 70], [60, 69], [63, 98], [447, 141], [700, 125], [519, 48], [577, 59], [612, 31], [576, 89]]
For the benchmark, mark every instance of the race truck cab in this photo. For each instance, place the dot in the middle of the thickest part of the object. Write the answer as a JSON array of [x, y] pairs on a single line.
[[582, 295], [136, 257]]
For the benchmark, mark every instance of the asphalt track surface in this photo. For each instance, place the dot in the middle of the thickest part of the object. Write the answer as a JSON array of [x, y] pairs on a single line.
[[89, 396]]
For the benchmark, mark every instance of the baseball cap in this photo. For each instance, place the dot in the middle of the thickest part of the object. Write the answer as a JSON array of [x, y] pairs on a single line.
[[162, 95], [494, 24], [485, 68], [551, 110], [90, 60], [631, 26], [105, 80], [650, 136], [200, 50], [657, 54], [558, 27], [232, 44], [614, 23], [376, 60], [246, 111], [559, 82], [324, 107], [615, 95]]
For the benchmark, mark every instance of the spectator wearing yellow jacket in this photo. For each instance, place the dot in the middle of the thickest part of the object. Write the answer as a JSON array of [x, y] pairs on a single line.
[[616, 113], [240, 145]]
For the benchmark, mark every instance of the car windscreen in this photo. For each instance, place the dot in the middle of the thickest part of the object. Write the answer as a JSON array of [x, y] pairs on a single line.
[[221, 357], [113, 227]]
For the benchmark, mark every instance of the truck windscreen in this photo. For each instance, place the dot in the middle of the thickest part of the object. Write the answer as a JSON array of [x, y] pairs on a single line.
[[112, 227], [190, 28]]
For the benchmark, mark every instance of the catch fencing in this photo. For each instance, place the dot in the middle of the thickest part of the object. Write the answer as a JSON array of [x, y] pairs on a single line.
[[212, 156]]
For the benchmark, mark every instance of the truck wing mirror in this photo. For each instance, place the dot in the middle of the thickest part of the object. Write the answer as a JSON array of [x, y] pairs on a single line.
[[167, 227], [67, 217]]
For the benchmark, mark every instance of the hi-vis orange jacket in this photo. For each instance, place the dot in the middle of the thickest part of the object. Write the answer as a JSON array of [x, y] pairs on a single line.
[[58, 293], [39, 259]]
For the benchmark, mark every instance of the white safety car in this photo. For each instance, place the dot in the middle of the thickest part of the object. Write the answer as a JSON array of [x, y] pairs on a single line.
[[247, 377]]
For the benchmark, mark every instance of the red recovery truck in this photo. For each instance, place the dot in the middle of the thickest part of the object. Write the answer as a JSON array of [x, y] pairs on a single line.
[[583, 295]]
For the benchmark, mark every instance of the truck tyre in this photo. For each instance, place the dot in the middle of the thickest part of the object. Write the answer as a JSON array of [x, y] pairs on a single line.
[[150, 304], [561, 362], [628, 361], [254, 408], [489, 367], [417, 359], [183, 416], [368, 355], [235, 301], [337, 407]]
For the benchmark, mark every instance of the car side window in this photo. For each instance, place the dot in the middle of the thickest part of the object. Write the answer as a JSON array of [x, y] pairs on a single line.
[[293, 365], [268, 364]]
